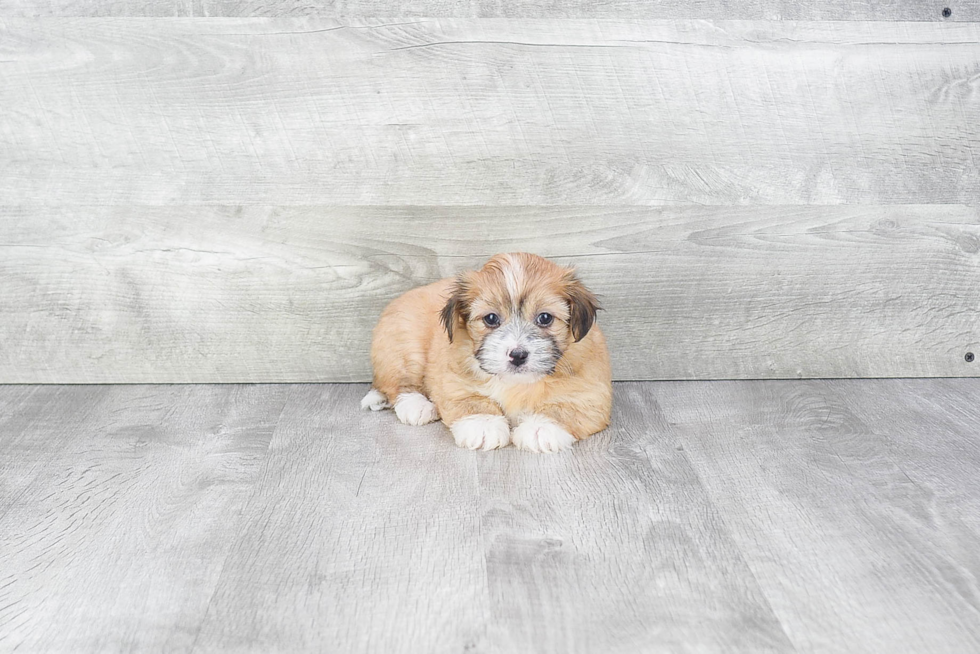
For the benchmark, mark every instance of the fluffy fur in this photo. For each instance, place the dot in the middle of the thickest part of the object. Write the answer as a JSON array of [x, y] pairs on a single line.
[[507, 353]]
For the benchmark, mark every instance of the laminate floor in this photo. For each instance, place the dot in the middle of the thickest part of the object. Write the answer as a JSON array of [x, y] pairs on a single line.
[[747, 516]]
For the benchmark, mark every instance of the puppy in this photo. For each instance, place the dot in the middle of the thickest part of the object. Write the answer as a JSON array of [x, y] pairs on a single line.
[[512, 345]]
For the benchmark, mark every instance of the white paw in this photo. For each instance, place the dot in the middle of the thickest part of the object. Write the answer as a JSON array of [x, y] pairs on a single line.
[[481, 432], [415, 409], [375, 401], [540, 434]]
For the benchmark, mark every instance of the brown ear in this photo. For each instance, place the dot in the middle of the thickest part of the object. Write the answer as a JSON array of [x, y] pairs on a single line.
[[455, 309], [583, 306]]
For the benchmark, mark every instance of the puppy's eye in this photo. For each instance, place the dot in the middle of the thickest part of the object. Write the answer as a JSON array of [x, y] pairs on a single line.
[[491, 320], [544, 319]]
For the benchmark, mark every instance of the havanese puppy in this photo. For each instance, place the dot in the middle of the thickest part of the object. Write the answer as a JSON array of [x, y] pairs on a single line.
[[507, 353]]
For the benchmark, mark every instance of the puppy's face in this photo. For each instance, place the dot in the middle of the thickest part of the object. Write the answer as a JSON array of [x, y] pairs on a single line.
[[521, 312]]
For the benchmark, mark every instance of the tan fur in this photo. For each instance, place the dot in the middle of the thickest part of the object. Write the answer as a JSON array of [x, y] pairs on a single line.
[[411, 350]]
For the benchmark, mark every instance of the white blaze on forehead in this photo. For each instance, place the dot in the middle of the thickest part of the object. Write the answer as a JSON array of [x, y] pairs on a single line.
[[513, 276]]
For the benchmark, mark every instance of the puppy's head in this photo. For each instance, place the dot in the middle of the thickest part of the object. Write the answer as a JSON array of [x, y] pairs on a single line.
[[521, 312]]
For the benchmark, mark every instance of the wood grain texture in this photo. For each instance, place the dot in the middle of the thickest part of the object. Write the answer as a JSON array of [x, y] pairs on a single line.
[[363, 535], [961, 10], [780, 516], [35, 423], [654, 569], [487, 111], [847, 545], [932, 429], [256, 294], [117, 543]]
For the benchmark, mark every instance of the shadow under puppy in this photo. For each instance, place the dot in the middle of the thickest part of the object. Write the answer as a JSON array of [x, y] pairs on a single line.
[[512, 345]]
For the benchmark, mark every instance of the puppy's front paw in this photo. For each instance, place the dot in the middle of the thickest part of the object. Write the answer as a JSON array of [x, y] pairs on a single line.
[[482, 431], [375, 401], [415, 409], [540, 434]]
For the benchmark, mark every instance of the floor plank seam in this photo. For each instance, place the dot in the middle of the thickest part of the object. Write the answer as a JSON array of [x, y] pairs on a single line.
[[242, 519], [730, 534]]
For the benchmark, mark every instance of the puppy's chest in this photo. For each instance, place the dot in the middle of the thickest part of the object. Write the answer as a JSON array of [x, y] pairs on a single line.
[[517, 400]]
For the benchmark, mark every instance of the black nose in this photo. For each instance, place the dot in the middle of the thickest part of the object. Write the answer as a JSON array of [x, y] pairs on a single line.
[[518, 356]]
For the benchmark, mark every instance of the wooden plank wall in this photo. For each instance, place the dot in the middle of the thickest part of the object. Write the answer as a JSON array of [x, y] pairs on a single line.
[[235, 199], [894, 10]]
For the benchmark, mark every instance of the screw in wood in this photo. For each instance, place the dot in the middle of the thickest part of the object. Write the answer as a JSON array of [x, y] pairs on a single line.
[[947, 12], [969, 357]]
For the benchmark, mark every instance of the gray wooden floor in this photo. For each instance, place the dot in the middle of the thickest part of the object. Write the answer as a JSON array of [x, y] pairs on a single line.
[[804, 516]]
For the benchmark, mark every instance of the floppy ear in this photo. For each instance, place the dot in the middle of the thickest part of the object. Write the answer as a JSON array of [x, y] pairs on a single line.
[[455, 308], [583, 306]]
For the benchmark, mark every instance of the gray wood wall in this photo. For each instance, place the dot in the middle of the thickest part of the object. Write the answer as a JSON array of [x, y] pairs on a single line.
[[235, 199]]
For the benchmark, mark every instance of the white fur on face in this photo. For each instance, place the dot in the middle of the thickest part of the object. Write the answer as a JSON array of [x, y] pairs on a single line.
[[481, 431], [537, 433], [494, 353], [513, 276], [415, 409]]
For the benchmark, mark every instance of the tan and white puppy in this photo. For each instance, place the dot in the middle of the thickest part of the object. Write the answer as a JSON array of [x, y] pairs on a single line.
[[507, 353]]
